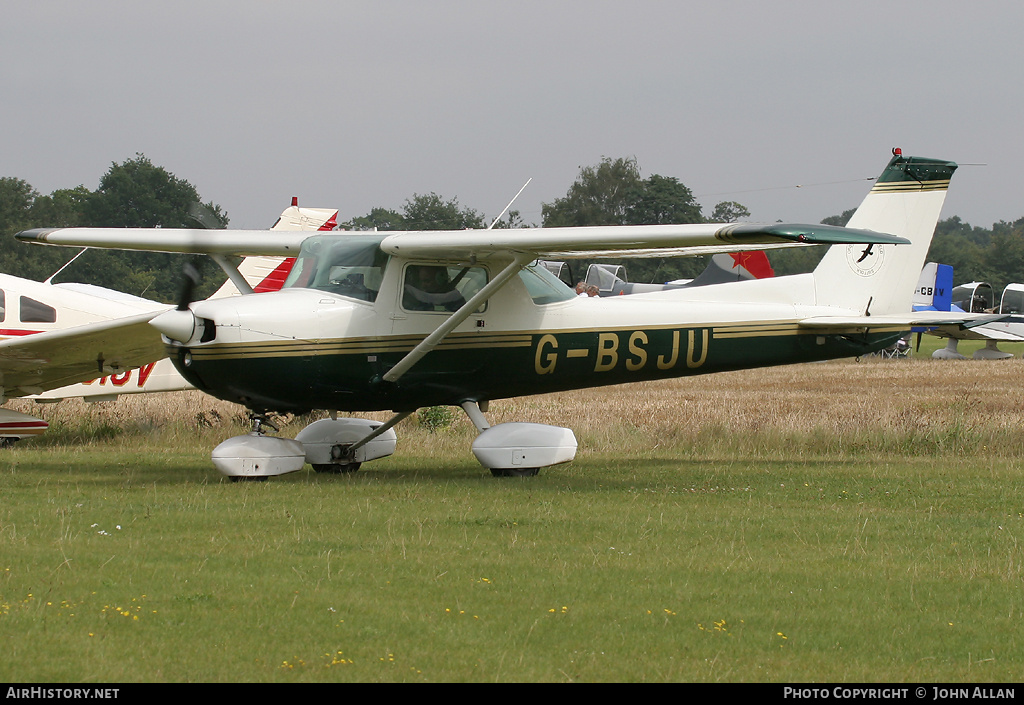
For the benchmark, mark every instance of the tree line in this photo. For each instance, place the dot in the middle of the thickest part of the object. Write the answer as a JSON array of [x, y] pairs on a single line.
[[137, 193], [133, 194]]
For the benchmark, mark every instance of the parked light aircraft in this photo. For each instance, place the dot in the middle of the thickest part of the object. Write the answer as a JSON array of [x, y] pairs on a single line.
[[611, 280], [379, 321], [79, 310], [935, 292]]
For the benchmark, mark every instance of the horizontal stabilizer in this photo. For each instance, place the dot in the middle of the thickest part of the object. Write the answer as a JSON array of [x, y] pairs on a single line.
[[905, 320]]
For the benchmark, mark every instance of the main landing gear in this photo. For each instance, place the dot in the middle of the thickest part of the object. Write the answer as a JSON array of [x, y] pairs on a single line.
[[518, 449], [329, 445], [341, 445], [257, 456], [991, 351]]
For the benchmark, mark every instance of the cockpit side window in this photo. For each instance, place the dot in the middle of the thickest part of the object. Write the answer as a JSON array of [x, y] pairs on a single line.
[[2, 307], [33, 311], [347, 265], [430, 287], [543, 286]]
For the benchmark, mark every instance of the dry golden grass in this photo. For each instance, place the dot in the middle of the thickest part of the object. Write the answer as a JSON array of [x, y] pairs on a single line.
[[838, 400], [872, 404]]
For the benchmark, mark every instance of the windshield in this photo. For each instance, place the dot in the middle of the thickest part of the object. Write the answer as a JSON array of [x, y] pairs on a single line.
[[1012, 301], [347, 265]]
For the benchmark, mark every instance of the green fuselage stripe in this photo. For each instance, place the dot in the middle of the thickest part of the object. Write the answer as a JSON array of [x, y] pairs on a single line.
[[346, 374]]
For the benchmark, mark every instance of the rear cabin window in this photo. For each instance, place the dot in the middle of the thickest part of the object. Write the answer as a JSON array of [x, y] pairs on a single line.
[[33, 311], [1, 305]]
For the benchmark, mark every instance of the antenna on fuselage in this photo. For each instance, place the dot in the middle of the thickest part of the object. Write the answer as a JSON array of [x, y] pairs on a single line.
[[493, 222]]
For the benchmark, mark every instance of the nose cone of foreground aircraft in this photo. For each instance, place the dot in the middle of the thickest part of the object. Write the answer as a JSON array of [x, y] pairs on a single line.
[[176, 324]]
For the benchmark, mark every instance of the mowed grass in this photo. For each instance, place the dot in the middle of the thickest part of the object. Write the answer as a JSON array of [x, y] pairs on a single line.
[[847, 521]]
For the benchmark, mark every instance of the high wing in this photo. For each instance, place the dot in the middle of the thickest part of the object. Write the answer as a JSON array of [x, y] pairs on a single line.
[[629, 241], [36, 363], [243, 243]]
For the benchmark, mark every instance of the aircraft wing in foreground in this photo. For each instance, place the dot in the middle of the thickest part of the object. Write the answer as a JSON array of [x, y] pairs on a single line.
[[398, 321]]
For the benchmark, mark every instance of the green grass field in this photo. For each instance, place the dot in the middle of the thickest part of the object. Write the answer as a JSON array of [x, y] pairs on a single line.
[[840, 522]]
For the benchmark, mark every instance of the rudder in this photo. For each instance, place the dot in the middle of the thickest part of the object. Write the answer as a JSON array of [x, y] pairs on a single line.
[[905, 201]]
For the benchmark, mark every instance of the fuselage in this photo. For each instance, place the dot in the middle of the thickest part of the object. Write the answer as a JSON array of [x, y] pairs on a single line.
[[330, 347], [28, 307]]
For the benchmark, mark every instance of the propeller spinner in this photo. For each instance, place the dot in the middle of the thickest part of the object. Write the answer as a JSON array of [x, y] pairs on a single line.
[[180, 323]]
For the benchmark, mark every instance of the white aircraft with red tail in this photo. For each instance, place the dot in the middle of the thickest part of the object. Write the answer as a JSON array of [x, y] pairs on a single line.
[[47, 330]]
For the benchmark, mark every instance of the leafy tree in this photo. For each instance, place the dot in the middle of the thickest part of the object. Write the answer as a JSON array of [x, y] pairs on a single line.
[[421, 212], [728, 212], [377, 219], [613, 193], [16, 199], [430, 212], [602, 194], [663, 200], [136, 193], [1003, 260], [839, 220], [64, 208], [22, 207], [512, 220], [139, 194]]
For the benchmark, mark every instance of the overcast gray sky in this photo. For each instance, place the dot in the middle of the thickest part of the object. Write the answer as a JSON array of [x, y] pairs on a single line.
[[353, 105]]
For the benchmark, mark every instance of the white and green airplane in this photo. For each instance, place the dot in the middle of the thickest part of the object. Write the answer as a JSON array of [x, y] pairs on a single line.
[[377, 321]]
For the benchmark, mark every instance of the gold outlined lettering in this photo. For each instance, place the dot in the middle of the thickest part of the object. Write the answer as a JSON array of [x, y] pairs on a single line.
[[690, 361], [607, 352], [668, 364], [635, 340], [545, 364]]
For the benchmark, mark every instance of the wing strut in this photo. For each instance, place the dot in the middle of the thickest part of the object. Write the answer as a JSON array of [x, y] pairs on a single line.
[[453, 321], [233, 274]]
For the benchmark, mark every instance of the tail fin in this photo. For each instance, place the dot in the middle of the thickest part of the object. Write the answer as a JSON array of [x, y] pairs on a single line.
[[269, 273], [875, 279], [734, 267], [934, 290]]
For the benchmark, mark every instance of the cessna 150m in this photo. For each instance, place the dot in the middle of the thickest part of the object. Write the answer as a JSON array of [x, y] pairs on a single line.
[[379, 321], [71, 318]]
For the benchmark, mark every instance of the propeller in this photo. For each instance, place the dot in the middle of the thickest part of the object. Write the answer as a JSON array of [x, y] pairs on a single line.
[[180, 323], [205, 216], [190, 274]]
